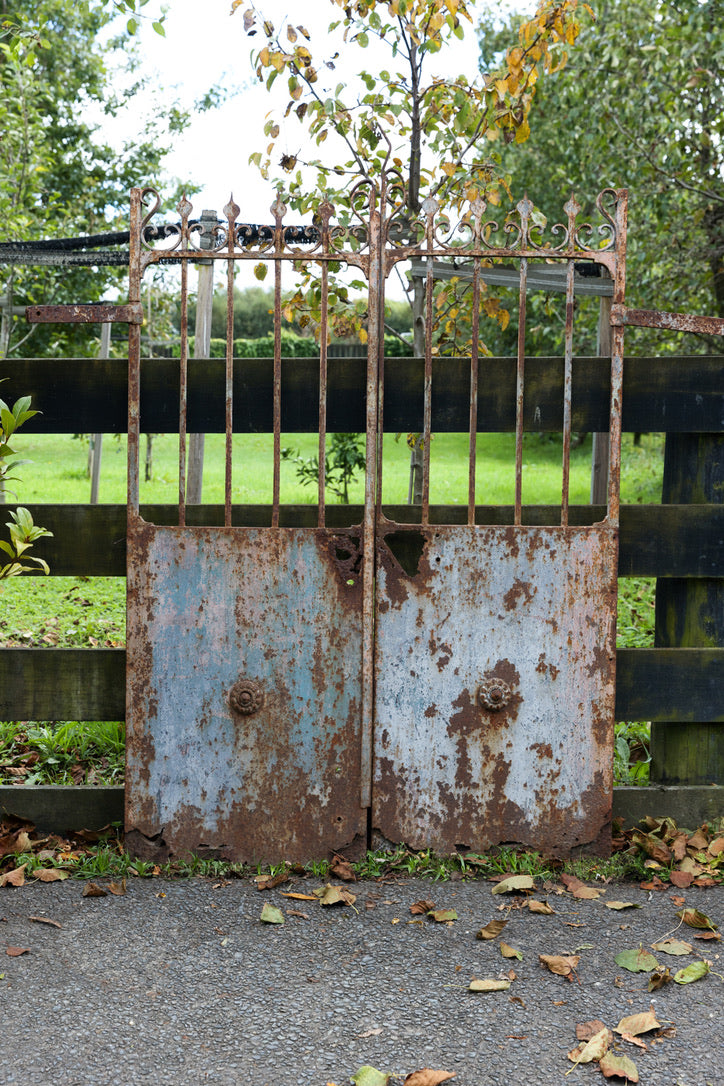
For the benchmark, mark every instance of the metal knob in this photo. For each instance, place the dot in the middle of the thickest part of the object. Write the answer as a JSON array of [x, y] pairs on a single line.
[[494, 694], [246, 696]]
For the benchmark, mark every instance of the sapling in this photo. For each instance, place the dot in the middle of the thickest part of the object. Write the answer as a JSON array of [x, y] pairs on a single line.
[[23, 532]]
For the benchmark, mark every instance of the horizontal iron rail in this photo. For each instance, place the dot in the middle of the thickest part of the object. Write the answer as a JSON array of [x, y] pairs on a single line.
[[682, 394], [89, 684], [656, 540]]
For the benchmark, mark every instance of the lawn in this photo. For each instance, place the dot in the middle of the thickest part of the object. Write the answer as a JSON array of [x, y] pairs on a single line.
[[90, 612]]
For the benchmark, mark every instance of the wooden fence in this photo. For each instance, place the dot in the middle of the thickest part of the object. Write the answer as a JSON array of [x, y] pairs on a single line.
[[678, 686]]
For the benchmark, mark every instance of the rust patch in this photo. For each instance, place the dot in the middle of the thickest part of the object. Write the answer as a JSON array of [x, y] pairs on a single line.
[[521, 592]]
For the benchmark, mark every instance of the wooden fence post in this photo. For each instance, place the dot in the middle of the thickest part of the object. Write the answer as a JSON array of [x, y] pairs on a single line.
[[690, 614]]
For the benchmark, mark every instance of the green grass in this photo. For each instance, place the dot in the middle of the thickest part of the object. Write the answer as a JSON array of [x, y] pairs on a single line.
[[67, 752]]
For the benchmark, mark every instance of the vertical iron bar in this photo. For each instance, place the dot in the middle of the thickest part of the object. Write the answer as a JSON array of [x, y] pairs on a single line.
[[519, 389], [617, 344], [277, 383], [134, 354], [567, 395], [474, 368], [322, 455], [372, 470], [229, 421], [427, 405], [183, 395]]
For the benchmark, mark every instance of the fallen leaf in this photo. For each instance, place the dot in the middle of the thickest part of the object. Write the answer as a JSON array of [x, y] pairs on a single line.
[[678, 900], [50, 874], [636, 961], [705, 880], [634, 1041], [580, 889], [636, 1024], [16, 951], [488, 985], [117, 888], [510, 952], [618, 1067], [716, 847], [699, 840], [335, 895], [696, 919], [673, 946], [297, 912], [653, 847], [428, 1077], [693, 972], [271, 915], [422, 908], [299, 897], [586, 1030], [16, 877], [45, 920], [269, 882], [516, 999], [708, 935], [492, 929], [541, 907], [592, 1050], [622, 905], [654, 884], [514, 883], [681, 879], [563, 965], [443, 915], [370, 1076], [370, 1033], [342, 869], [92, 889], [658, 979]]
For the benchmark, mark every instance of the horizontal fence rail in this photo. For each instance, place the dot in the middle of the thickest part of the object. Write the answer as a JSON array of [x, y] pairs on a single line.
[[675, 394]]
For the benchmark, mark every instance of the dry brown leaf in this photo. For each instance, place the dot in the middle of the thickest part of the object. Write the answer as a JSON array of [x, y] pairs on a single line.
[[492, 929], [299, 897], [618, 1067], [269, 882], [699, 841], [696, 919], [716, 847], [678, 847], [16, 877], [654, 884], [682, 879], [510, 952], [658, 979], [488, 985], [636, 1024], [541, 907], [342, 869], [634, 1041], [45, 920], [92, 889], [428, 1077], [586, 1030], [563, 965], [708, 935], [117, 888], [514, 884], [50, 874], [16, 951], [297, 912], [622, 905], [652, 846], [335, 895], [422, 908]]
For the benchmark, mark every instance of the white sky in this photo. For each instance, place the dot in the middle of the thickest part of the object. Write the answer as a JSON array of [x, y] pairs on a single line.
[[205, 45]]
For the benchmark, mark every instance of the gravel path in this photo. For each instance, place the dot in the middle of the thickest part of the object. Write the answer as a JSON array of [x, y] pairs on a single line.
[[179, 983]]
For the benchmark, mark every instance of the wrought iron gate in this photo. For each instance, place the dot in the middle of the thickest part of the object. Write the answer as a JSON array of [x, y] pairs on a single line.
[[293, 690]]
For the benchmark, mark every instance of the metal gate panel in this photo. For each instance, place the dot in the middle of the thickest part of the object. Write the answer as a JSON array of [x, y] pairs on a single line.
[[494, 688], [243, 713]]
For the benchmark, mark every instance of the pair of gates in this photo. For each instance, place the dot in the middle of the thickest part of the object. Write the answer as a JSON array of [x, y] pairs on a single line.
[[293, 690]]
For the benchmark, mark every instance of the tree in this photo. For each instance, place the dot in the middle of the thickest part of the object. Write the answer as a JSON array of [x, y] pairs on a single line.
[[641, 105], [431, 129], [56, 177]]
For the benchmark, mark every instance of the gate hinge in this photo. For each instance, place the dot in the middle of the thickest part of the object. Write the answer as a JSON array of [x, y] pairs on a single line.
[[675, 322], [92, 313]]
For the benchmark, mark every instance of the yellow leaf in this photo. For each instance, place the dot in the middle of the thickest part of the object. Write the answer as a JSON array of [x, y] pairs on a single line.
[[522, 132], [362, 335], [291, 34], [264, 56]]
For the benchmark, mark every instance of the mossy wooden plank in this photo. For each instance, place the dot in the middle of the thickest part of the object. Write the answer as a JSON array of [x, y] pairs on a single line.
[[62, 684], [89, 684], [656, 540], [89, 395]]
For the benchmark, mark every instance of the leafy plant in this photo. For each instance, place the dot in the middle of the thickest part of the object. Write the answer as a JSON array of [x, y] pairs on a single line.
[[342, 462], [23, 532]]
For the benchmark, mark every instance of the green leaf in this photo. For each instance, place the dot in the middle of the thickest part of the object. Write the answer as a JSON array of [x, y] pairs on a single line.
[[513, 884], [370, 1076], [673, 946], [271, 915], [692, 972], [442, 915], [636, 961]]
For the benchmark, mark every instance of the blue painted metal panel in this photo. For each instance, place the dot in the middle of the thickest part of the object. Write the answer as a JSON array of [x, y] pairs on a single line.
[[270, 620]]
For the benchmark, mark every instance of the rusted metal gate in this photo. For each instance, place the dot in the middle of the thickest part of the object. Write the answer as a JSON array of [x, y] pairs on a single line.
[[291, 690]]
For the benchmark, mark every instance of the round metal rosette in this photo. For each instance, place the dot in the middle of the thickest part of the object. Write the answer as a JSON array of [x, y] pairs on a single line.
[[494, 694], [246, 696]]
